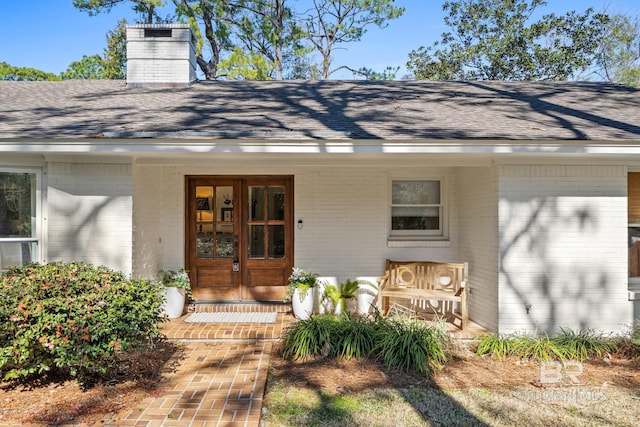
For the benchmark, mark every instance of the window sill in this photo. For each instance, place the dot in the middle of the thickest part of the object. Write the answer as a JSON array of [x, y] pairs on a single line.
[[418, 243]]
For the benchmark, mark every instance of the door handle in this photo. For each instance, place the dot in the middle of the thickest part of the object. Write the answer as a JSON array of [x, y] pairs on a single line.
[[236, 262]]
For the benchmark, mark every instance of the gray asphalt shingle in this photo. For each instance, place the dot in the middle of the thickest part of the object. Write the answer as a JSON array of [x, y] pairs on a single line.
[[333, 110]]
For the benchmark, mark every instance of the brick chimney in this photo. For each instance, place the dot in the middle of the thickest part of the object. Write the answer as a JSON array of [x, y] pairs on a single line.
[[160, 56]]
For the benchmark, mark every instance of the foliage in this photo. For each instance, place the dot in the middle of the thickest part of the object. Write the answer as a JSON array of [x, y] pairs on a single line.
[[344, 291], [217, 18], [584, 344], [388, 73], [495, 345], [241, 65], [618, 57], [73, 320], [176, 279], [112, 65], [302, 280], [411, 345], [146, 9], [565, 345], [310, 337], [333, 22], [268, 32], [8, 72], [496, 40], [404, 344]]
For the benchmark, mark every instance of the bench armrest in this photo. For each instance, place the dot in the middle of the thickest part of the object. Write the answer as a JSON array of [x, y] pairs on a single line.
[[463, 285]]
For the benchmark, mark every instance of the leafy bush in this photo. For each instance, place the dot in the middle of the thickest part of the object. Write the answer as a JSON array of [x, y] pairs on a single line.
[[411, 345], [584, 344], [73, 320], [407, 345], [310, 337], [566, 345], [496, 345]]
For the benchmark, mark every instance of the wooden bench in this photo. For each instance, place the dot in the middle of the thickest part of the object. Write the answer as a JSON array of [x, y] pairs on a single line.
[[426, 281]]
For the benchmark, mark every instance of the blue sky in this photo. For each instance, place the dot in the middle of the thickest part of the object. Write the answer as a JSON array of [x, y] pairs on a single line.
[[50, 34]]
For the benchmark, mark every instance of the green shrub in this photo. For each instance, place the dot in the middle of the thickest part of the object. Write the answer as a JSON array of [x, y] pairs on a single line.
[[584, 344], [310, 337], [496, 345], [541, 348], [566, 345], [410, 345], [73, 320], [356, 338]]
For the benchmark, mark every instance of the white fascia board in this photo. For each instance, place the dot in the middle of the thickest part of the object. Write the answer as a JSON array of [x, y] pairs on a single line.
[[151, 145]]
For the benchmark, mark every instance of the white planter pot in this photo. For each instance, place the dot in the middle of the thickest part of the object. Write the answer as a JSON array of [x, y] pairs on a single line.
[[324, 305], [366, 296], [350, 305], [174, 299], [302, 308]]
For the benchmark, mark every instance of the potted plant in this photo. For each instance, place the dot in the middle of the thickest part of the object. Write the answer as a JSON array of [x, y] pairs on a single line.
[[343, 295], [366, 295], [301, 292], [177, 287]]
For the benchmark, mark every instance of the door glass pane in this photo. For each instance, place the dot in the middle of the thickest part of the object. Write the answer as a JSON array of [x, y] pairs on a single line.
[[256, 241], [204, 246], [276, 241], [224, 203], [408, 218], [256, 203], [17, 204], [224, 241], [415, 193], [276, 203], [204, 210]]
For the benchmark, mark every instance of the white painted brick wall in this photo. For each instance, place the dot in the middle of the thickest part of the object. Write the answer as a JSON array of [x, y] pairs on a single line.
[[478, 214], [147, 221], [89, 214], [344, 211], [563, 244]]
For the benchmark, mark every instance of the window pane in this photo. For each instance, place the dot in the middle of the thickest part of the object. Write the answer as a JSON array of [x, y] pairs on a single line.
[[224, 203], [17, 204], [276, 241], [204, 246], [17, 253], [256, 203], [256, 241], [224, 246], [415, 193], [415, 218], [276, 203]]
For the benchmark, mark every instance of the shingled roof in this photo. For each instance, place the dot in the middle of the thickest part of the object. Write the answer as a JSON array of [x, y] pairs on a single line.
[[331, 110]]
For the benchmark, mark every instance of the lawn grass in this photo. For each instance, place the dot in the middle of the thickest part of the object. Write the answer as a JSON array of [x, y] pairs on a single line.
[[291, 405]]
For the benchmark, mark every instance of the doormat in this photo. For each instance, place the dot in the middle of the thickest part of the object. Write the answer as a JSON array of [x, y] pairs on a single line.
[[233, 317]]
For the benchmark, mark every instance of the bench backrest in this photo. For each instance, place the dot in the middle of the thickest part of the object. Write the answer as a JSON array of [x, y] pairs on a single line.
[[447, 277]]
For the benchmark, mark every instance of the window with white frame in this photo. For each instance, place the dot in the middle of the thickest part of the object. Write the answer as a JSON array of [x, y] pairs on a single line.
[[417, 210], [18, 217]]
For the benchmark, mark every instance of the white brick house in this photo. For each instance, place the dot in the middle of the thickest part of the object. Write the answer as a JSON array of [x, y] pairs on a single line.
[[525, 181]]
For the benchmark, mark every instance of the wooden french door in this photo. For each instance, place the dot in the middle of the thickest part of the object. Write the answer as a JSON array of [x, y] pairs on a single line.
[[239, 237]]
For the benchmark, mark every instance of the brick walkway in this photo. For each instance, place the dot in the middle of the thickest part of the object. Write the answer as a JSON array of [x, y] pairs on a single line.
[[221, 380]]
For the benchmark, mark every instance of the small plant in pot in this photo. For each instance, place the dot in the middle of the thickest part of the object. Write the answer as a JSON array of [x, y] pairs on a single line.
[[342, 294], [301, 292], [177, 289]]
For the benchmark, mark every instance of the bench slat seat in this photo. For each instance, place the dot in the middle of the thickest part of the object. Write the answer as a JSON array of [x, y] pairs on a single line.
[[425, 281]]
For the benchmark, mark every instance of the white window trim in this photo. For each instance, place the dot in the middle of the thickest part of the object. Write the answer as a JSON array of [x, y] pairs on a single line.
[[423, 239], [39, 214]]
